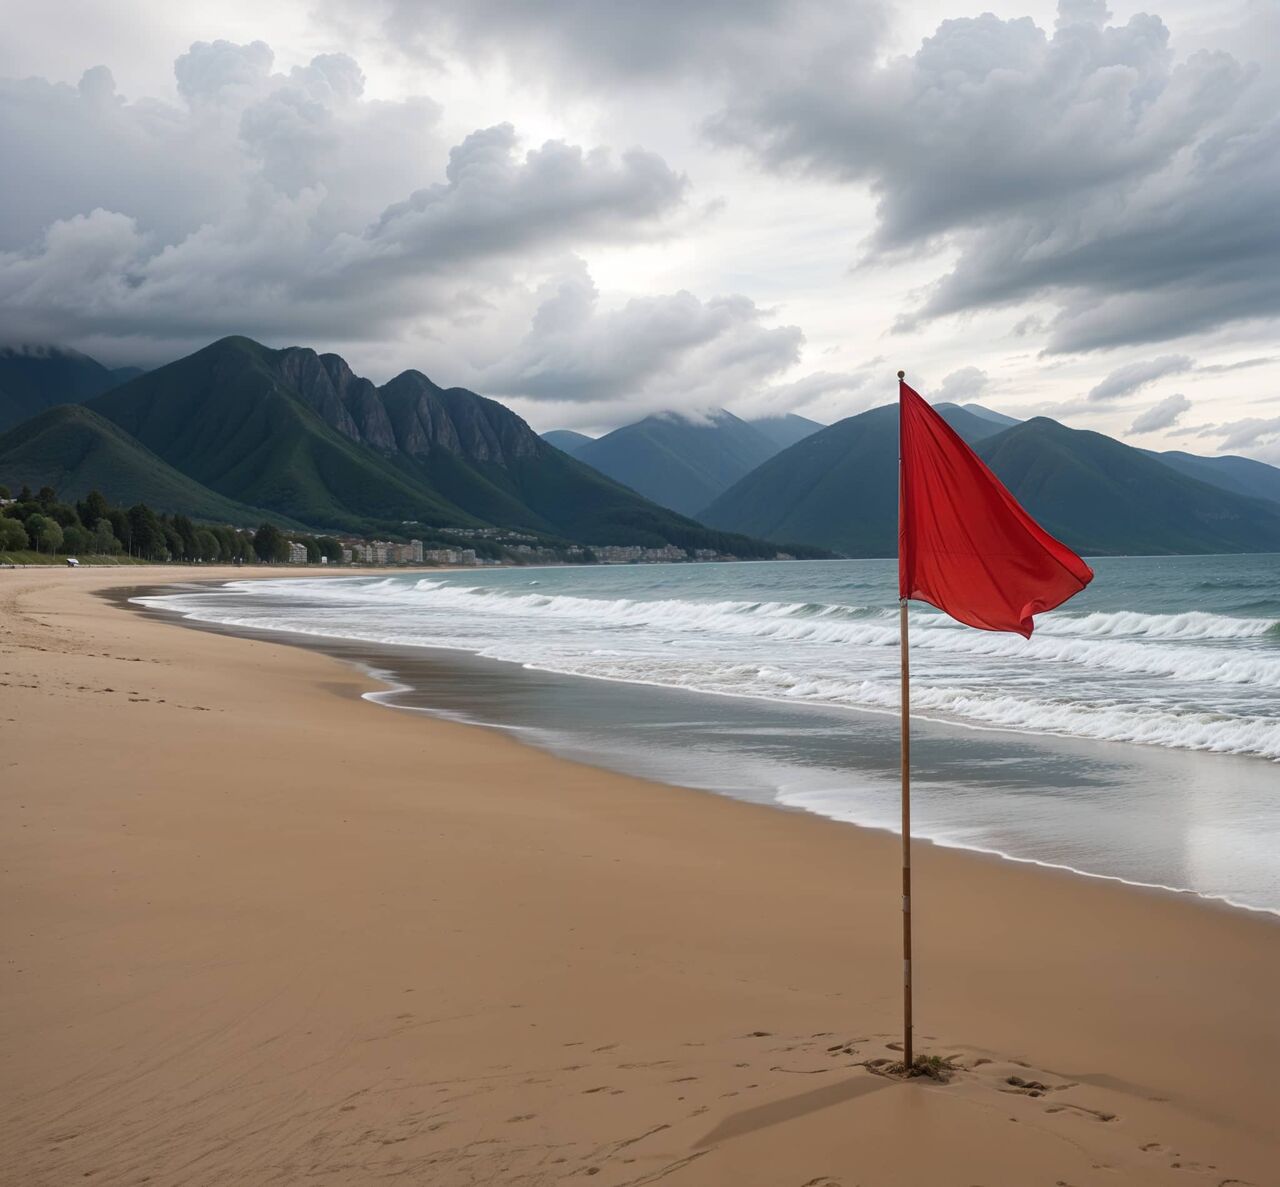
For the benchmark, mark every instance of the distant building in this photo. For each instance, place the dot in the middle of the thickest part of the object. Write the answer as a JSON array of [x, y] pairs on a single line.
[[615, 554], [297, 553]]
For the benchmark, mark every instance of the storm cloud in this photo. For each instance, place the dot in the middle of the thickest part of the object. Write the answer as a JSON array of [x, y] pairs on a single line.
[[254, 205], [652, 353], [1087, 166]]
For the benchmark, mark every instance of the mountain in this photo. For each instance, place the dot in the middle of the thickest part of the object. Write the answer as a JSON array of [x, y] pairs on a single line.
[[33, 378], [838, 489], [74, 450], [973, 422], [787, 429], [298, 433], [990, 414], [1243, 475], [677, 462], [567, 441], [838, 486], [1101, 496]]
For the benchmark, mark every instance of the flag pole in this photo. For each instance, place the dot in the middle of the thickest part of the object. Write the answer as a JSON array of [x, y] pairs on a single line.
[[907, 1054]]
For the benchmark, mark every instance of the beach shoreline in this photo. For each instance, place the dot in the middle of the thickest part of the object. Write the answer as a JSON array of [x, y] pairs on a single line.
[[461, 684], [267, 932]]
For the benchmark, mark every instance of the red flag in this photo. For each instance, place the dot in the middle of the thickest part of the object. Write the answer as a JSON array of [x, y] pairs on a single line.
[[964, 543]]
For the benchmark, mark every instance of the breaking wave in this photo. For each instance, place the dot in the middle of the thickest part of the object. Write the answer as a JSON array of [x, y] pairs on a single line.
[[1190, 680]]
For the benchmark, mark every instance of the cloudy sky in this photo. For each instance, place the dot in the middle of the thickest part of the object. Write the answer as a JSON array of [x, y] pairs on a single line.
[[595, 209]]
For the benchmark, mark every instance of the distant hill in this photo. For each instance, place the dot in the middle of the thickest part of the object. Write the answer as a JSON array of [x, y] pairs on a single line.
[[992, 415], [299, 434], [679, 462], [33, 378], [787, 429], [74, 450], [973, 422], [1102, 496], [1243, 475], [838, 489], [567, 441]]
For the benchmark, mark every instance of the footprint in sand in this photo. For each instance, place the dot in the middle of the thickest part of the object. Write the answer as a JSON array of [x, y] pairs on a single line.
[[1096, 1114]]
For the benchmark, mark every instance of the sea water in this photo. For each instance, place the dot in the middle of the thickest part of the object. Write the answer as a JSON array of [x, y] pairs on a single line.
[[1136, 735]]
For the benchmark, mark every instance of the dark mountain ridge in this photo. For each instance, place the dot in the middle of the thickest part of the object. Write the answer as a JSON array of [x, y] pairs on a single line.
[[299, 434], [837, 489]]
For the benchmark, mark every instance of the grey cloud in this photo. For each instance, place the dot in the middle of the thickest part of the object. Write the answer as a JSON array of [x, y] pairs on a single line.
[[607, 42], [1087, 166], [496, 200], [1241, 365], [1249, 433], [1126, 380], [264, 205], [209, 70], [1163, 415], [966, 384], [671, 352]]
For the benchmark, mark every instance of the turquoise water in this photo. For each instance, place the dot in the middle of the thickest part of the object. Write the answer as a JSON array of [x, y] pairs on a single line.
[[1136, 735]]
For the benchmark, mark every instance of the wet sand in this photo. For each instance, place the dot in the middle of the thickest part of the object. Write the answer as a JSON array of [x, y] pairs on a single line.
[[258, 930]]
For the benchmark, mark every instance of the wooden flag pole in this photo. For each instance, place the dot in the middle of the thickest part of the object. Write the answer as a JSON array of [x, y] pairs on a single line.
[[907, 1054]]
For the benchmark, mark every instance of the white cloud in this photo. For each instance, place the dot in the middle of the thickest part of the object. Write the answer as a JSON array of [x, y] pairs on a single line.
[[960, 386], [1132, 377], [1163, 415]]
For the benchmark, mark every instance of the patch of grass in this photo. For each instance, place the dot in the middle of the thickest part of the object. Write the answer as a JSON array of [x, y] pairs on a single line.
[[30, 557]]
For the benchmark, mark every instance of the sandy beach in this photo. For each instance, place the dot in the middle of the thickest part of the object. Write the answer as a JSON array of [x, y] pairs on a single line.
[[257, 930]]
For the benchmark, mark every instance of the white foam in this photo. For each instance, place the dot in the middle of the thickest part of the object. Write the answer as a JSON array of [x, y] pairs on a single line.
[[1187, 681]]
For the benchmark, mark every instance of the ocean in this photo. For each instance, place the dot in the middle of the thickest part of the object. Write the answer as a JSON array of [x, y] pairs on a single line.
[[1136, 736]]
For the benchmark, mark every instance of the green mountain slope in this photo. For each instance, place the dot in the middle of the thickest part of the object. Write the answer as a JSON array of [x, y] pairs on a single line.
[[33, 378], [566, 440], [785, 430], [227, 417], [1101, 496], [1242, 475], [838, 490], [678, 463], [74, 450], [298, 433], [972, 426]]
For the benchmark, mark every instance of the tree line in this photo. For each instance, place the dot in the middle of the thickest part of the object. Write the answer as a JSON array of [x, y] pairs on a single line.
[[93, 527]]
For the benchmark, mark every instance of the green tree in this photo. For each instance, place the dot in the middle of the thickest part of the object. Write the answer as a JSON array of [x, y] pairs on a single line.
[[313, 549], [13, 536], [207, 545], [65, 516], [270, 545], [173, 546], [47, 496], [187, 532], [77, 541], [147, 539], [120, 527], [329, 547], [50, 537], [93, 508], [105, 542], [4, 492], [35, 525]]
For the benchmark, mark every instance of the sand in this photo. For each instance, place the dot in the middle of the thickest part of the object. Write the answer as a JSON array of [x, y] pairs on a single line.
[[257, 930]]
